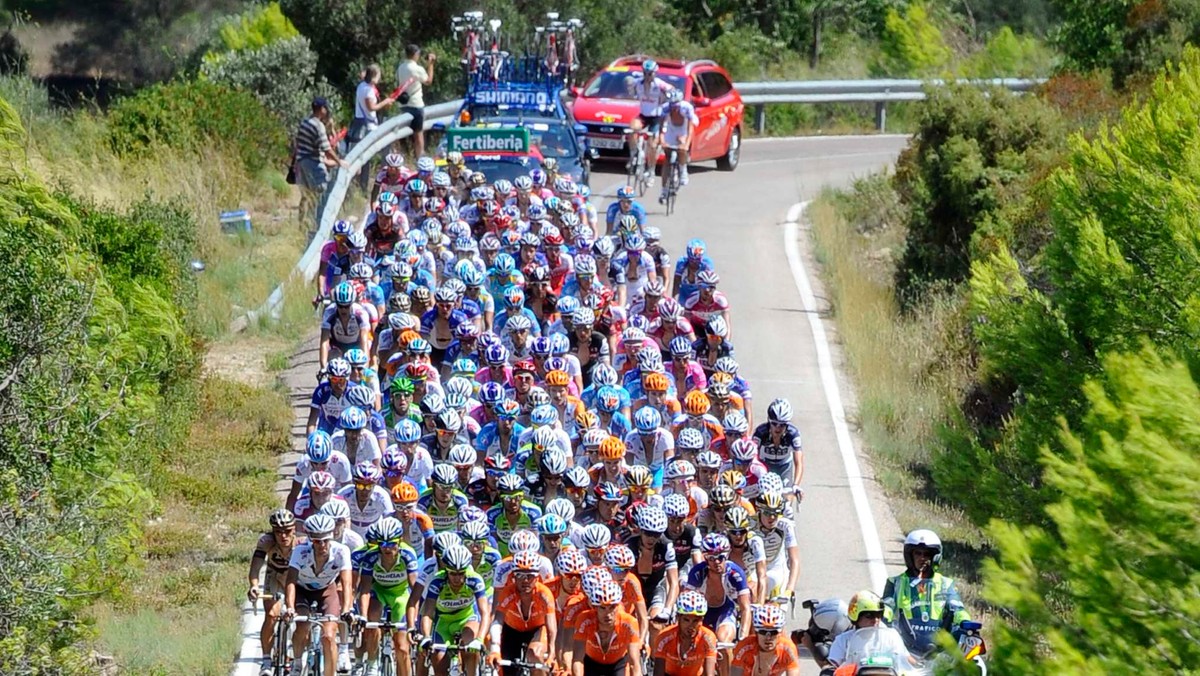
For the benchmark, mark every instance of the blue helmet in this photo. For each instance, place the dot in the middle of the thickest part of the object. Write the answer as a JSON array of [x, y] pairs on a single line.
[[352, 418], [647, 419], [407, 431], [344, 294], [319, 447], [361, 396]]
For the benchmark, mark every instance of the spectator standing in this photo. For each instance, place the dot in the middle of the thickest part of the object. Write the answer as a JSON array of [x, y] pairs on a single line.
[[367, 105], [416, 76], [313, 156]]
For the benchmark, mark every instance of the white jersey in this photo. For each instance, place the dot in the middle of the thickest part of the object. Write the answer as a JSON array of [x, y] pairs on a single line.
[[367, 449], [304, 561], [379, 505], [651, 95], [777, 541], [663, 442], [429, 569], [352, 540], [687, 112], [338, 466], [349, 332]]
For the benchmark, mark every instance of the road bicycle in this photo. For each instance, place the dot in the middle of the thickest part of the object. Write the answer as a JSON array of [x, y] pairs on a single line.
[[280, 656], [453, 653], [312, 660], [638, 167], [387, 655], [523, 668], [470, 24], [672, 179], [560, 67]]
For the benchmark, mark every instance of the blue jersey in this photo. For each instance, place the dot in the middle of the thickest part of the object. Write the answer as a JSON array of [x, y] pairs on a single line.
[[614, 212], [733, 580], [329, 406], [588, 395], [487, 442]]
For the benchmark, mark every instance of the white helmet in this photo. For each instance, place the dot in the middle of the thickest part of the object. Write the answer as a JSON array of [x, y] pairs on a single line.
[[925, 539]]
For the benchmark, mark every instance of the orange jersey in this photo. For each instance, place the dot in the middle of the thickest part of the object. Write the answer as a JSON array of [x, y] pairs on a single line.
[[685, 660], [571, 610], [540, 607], [625, 634], [631, 593], [746, 652]]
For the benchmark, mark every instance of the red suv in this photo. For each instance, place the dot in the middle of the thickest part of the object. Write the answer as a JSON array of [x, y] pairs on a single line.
[[606, 106]]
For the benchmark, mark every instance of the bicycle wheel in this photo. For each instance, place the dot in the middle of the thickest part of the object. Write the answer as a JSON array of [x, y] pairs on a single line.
[[386, 667]]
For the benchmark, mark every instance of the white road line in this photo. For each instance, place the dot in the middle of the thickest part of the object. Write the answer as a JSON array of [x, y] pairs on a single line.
[[247, 663], [823, 137], [835, 156], [858, 489]]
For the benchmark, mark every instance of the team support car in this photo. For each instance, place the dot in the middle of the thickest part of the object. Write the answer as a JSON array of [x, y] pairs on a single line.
[[607, 103], [505, 148]]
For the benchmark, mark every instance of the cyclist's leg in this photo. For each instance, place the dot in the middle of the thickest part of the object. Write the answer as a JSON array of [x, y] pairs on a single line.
[[470, 658], [271, 610], [683, 159]]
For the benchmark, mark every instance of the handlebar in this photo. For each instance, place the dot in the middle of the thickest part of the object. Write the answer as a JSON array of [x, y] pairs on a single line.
[[522, 664]]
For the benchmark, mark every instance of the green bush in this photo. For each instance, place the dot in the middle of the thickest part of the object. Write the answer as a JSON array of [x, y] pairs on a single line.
[[1008, 55], [190, 115], [282, 75], [745, 53], [911, 45], [973, 149], [254, 29]]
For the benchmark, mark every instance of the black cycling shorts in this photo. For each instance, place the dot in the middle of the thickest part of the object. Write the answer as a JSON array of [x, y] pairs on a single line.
[[650, 123], [513, 643], [593, 668]]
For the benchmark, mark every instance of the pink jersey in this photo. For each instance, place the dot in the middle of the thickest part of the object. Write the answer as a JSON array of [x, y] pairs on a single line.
[[700, 312]]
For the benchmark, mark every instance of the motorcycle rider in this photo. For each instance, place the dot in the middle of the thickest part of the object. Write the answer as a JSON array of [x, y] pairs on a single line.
[[921, 601], [870, 638]]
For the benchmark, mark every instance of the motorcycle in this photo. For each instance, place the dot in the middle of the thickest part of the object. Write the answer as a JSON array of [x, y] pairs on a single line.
[[826, 620]]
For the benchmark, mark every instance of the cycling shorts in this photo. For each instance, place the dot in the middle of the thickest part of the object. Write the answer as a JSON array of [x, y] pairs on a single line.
[[659, 598], [719, 615], [448, 627], [327, 601], [651, 123], [672, 135], [777, 579], [593, 668], [393, 599], [513, 643]]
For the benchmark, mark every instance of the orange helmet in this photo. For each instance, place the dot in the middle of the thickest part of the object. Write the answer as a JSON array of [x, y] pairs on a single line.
[[696, 403], [586, 419], [655, 382], [404, 492], [612, 448], [557, 378], [406, 337]]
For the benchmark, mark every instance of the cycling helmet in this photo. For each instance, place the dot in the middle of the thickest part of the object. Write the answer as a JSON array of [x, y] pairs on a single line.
[[577, 477], [526, 562], [639, 476], [475, 531], [551, 524], [415, 188], [321, 481], [344, 294], [696, 403], [444, 474], [676, 506], [407, 431], [714, 543], [361, 396], [367, 472], [718, 390], [543, 439], [626, 193], [743, 450], [543, 415], [388, 529], [651, 519], [518, 322], [282, 518], [674, 97], [571, 562], [595, 536], [734, 479], [722, 496], [319, 447], [557, 378], [510, 484], [352, 418], [508, 409], [771, 483], [497, 462], [604, 375], [491, 392], [865, 601], [462, 455], [737, 518], [343, 228], [471, 514], [612, 448], [654, 382], [361, 271], [319, 526], [691, 602], [670, 310], [609, 492], [448, 421], [444, 541], [540, 346], [357, 241], [679, 469], [554, 462], [404, 493], [567, 305], [716, 326], [767, 616], [523, 183], [393, 462], [420, 346], [923, 539], [425, 165], [779, 411], [585, 265], [770, 503], [647, 420], [619, 558], [649, 66], [496, 355], [562, 508], [584, 317], [459, 385], [690, 439], [457, 559], [338, 509], [635, 242], [680, 346], [524, 540]]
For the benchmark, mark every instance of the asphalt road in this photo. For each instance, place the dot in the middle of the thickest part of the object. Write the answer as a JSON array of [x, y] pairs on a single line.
[[741, 215]]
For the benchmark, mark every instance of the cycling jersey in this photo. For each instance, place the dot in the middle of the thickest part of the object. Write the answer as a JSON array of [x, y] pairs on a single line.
[[651, 95], [489, 559], [745, 655], [625, 634], [778, 456], [733, 584], [304, 561], [377, 506], [777, 541], [685, 660], [686, 544], [444, 518], [541, 607], [662, 559], [614, 212], [418, 529], [338, 466], [366, 450], [503, 527], [345, 334], [661, 443], [329, 406]]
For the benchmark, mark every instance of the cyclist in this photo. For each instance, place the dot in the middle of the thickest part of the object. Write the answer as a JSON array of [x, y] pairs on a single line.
[[683, 535], [273, 550], [443, 502], [678, 129], [527, 617], [340, 511], [570, 599], [607, 641], [455, 607], [353, 440], [319, 456], [782, 551], [747, 552], [514, 512], [626, 205], [870, 637], [368, 500], [725, 590], [318, 489], [689, 648], [651, 92], [388, 570], [319, 583], [662, 261], [779, 443], [650, 444], [655, 566], [344, 325], [329, 398], [688, 268], [418, 527], [477, 537], [920, 602], [407, 435], [768, 652], [619, 560]]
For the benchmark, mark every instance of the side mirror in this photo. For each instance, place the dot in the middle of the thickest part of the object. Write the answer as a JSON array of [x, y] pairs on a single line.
[[576, 91], [702, 102], [580, 129]]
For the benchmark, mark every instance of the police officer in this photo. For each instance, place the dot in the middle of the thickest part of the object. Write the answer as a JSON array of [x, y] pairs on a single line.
[[921, 601]]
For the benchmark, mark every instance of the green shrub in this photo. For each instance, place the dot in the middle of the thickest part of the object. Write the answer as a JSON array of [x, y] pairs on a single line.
[[1008, 55], [254, 29], [194, 114], [911, 45], [282, 75], [745, 53]]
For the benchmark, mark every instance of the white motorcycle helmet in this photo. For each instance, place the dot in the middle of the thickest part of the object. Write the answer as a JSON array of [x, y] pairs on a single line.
[[925, 539]]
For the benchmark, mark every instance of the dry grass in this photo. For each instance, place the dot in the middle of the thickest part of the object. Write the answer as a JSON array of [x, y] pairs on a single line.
[[907, 371]]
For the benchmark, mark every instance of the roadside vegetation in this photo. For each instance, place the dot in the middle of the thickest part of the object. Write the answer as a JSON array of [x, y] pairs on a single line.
[[1017, 303]]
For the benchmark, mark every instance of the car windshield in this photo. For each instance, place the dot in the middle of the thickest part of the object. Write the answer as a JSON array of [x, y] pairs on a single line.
[[507, 168], [611, 84]]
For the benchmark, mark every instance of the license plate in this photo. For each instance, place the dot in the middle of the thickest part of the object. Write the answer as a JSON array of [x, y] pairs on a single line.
[[606, 143]]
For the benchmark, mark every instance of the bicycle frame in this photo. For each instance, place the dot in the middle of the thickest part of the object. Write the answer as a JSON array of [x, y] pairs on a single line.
[[314, 653]]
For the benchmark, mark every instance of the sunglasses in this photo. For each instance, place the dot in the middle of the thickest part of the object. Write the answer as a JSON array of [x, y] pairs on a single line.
[[767, 632], [389, 544], [552, 536], [716, 557], [738, 531], [363, 486], [525, 576]]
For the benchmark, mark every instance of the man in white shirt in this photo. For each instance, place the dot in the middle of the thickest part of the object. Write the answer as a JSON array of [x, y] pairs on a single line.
[[412, 77], [870, 637]]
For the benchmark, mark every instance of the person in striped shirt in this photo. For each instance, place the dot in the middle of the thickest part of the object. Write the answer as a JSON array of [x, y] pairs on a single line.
[[314, 155]]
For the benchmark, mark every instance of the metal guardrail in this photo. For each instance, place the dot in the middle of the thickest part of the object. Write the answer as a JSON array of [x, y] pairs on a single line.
[[879, 91]]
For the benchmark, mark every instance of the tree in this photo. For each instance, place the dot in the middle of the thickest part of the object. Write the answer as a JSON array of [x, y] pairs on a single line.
[[1112, 588], [349, 34]]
